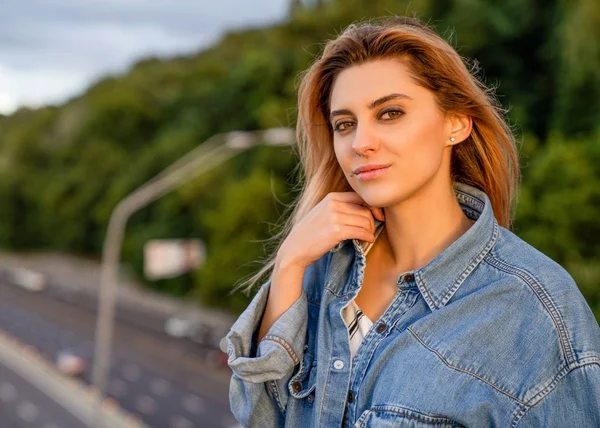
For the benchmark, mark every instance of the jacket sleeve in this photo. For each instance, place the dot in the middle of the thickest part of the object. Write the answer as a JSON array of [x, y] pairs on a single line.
[[258, 390], [574, 402]]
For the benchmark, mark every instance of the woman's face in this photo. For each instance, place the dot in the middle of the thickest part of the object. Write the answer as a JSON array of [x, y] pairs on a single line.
[[380, 116]]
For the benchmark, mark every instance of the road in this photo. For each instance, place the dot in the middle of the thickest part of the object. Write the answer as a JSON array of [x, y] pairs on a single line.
[[22, 405], [162, 380]]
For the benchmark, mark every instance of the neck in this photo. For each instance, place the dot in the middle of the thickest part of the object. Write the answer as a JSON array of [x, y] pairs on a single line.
[[421, 227]]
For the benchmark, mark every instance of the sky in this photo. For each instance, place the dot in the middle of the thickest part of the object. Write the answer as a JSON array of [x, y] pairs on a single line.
[[51, 50]]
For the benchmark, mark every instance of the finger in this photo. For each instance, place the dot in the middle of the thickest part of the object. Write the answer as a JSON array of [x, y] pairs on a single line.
[[360, 233], [355, 212], [358, 227], [353, 197], [378, 213], [375, 211]]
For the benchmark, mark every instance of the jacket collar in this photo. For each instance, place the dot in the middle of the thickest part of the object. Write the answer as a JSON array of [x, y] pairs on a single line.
[[440, 279]]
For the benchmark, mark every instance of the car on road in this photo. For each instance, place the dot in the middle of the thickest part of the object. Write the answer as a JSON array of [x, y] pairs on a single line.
[[27, 279]]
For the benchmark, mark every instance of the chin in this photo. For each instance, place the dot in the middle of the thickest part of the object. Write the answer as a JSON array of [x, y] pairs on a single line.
[[374, 201]]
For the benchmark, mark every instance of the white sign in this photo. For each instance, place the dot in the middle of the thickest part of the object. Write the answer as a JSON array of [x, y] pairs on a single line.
[[168, 258]]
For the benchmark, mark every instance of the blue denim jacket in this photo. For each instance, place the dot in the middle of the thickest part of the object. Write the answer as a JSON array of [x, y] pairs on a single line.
[[490, 333]]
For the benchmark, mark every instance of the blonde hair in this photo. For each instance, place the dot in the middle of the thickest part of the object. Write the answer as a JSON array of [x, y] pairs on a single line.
[[487, 159]]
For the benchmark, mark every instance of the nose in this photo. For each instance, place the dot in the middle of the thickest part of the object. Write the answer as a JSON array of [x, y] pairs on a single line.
[[364, 139]]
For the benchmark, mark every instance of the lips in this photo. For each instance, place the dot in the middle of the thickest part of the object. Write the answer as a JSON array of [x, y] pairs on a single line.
[[370, 167], [371, 173]]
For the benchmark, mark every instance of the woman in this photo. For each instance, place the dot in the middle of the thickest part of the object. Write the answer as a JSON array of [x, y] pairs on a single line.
[[399, 296]]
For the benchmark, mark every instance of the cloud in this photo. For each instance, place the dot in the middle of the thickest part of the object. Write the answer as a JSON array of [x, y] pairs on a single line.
[[52, 49], [37, 87]]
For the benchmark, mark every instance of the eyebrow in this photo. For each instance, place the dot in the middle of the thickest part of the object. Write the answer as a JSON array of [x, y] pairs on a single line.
[[373, 104]]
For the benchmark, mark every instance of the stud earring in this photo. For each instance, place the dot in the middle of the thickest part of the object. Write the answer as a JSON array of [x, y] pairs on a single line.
[[452, 139]]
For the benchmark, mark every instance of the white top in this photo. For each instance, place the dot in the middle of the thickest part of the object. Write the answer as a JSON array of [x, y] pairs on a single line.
[[358, 323]]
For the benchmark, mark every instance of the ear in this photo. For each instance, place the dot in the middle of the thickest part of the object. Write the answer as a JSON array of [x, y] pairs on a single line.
[[459, 126]]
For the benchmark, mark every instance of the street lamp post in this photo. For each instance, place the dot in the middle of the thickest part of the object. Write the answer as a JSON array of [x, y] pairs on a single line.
[[213, 152]]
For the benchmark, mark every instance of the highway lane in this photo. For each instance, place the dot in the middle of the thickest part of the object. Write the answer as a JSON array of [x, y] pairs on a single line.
[[23, 406], [160, 379]]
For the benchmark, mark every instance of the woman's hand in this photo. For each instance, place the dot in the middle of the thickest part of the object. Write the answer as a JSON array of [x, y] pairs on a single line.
[[339, 216]]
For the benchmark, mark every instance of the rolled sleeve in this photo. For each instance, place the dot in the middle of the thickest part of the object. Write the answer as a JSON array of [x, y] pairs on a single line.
[[575, 401], [279, 351], [260, 372]]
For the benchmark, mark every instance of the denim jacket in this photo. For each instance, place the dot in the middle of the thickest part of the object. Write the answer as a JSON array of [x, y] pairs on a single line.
[[490, 333]]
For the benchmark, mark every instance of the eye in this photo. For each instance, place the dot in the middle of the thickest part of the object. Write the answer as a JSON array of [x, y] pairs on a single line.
[[342, 126], [391, 114]]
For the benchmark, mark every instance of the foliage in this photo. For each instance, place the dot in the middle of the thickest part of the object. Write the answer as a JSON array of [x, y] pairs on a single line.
[[63, 169], [559, 208]]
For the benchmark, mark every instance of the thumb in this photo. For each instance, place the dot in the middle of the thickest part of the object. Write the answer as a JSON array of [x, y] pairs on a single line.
[[378, 213]]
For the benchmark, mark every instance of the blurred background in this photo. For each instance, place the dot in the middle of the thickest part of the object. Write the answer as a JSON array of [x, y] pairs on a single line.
[[98, 97]]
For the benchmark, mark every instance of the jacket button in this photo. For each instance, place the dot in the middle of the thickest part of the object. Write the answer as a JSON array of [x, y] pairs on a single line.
[[380, 328], [350, 397], [297, 386], [409, 277], [310, 399]]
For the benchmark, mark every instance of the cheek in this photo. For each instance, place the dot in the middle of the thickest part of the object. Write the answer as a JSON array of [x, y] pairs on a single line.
[[343, 156], [337, 151], [421, 145]]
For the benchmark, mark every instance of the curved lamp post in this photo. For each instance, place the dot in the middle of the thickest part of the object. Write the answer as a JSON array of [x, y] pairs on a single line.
[[213, 152]]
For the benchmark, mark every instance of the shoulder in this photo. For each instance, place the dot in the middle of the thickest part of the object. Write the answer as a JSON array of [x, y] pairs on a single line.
[[517, 323], [547, 290]]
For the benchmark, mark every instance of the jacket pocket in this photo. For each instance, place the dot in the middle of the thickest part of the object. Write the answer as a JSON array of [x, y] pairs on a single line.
[[303, 383], [388, 416]]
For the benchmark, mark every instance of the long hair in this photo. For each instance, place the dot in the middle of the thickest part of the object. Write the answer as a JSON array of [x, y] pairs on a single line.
[[487, 159]]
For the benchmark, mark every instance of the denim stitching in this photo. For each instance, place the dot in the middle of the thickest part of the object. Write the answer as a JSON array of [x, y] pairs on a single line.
[[399, 300], [408, 414], [470, 200], [284, 343], [474, 263], [594, 359], [547, 390], [332, 291], [276, 396], [518, 415], [304, 368], [328, 372], [539, 396], [441, 357], [544, 298], [426, 294]]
